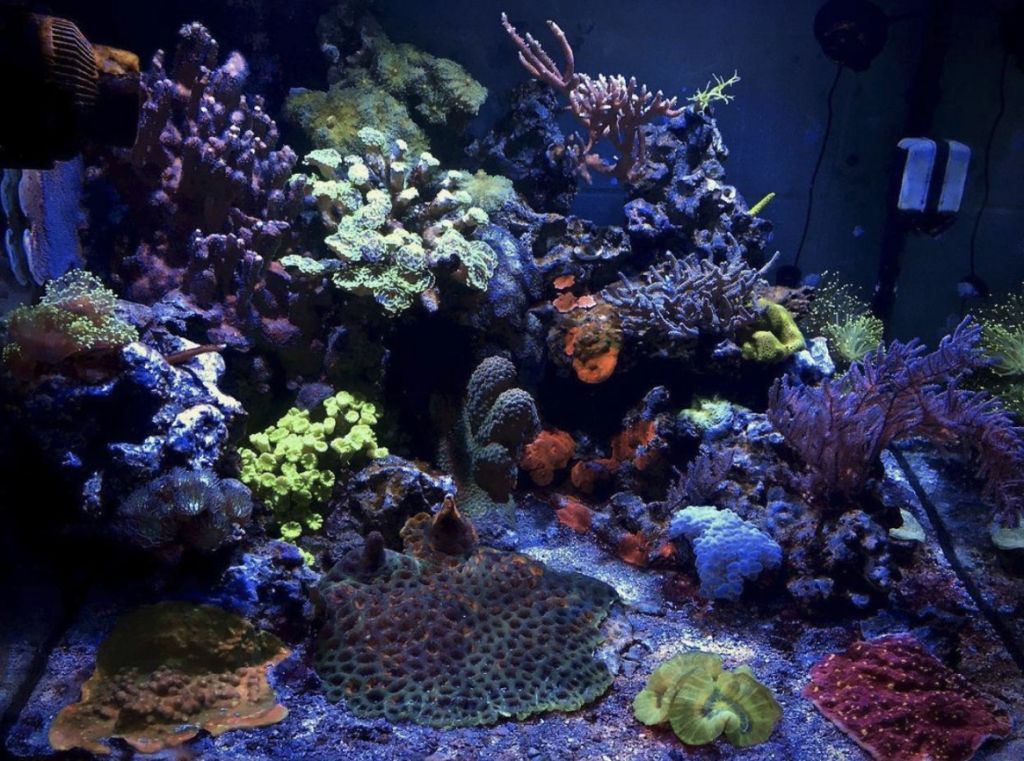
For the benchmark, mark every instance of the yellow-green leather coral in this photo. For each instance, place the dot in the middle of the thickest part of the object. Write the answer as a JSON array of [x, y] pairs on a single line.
[[781, 340], [291, 465], [702, 701]]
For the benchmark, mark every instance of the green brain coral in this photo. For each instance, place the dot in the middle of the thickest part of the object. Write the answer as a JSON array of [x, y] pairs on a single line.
[[75, 315], [450, 634], [291, 465], [702, 701], [399, 222]]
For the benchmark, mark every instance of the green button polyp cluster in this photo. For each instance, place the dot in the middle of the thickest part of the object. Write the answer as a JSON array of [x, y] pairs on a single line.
[[291, 465]]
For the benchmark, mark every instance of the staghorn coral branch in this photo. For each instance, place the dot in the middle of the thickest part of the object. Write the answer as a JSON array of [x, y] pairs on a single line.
[[610, 108], [536, 60]]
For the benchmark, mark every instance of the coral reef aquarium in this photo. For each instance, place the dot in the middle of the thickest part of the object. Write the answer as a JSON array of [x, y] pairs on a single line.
[[497, 380]]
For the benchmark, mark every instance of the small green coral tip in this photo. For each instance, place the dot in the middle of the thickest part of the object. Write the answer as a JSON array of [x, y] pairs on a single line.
[[291, 531]]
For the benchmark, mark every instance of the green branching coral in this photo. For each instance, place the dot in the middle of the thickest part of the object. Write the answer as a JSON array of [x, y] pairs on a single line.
[[1002, 327], [844, 319], [398, 221], [75, 315], [291, 465], [779, 338], [702, 701], [714, 93]]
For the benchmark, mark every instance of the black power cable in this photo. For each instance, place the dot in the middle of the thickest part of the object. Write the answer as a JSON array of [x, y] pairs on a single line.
[[814, 174], [986, 175]]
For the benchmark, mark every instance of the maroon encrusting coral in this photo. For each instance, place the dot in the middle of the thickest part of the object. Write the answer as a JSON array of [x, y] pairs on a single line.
[[899, 703], [209, 194], [840, 427]]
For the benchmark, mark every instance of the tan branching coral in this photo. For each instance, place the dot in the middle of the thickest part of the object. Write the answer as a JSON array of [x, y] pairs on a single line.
[[610, 108], [169, 671]]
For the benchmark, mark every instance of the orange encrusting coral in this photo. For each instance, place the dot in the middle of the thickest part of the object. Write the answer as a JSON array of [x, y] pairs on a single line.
[[574, 514], [169, 671], [550, 451], [594, 341], [586, 475], [633, 444], [633, 549]]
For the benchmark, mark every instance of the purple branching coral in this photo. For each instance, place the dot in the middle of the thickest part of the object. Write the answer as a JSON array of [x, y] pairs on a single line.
[[840, 428], [209, 194], [609, 108], [670, 307]]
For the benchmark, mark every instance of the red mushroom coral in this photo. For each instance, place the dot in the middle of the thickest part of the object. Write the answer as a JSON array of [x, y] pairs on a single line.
[[550, 451], [899, 703]]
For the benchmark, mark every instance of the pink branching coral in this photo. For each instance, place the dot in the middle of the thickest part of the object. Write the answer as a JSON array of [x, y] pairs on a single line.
[[899, 703], [610, 108]]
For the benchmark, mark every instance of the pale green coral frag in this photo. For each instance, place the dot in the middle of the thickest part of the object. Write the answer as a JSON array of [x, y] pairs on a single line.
[[854, 336], [843, 319], [291, 465]]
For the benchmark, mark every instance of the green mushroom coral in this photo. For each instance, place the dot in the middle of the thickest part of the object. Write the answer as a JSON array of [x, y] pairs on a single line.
[[781, 339], [291, 465], [702, 701]]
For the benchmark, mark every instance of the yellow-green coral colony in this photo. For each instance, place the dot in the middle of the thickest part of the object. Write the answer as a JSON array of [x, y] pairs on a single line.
[[396, 217], [292, 465], [76, 314], [844, 320], [702, 701], [1003, 342]]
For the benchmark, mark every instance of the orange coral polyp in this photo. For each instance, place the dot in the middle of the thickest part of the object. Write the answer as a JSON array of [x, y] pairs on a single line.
[[550, 451], [575, 515], [596, 369]]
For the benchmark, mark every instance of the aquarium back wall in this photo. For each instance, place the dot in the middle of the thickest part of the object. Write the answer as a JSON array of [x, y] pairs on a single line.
[[773, 129]]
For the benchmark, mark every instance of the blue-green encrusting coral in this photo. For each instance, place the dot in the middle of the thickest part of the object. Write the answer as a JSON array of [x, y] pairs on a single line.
[[76, 314], [292, 465], [450, 634], [702, 701], [398, 219], [727, 548]]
